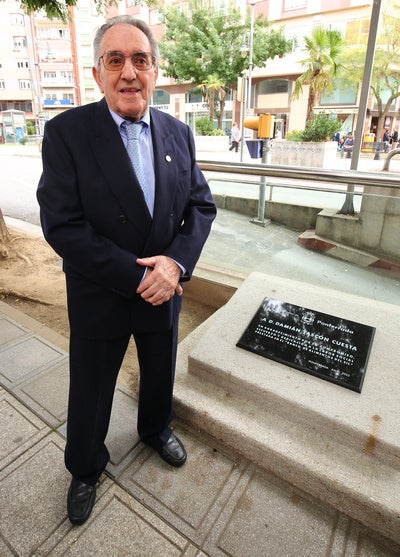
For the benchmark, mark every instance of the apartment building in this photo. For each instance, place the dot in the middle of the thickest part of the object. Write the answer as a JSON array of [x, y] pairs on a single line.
[[46, 66]]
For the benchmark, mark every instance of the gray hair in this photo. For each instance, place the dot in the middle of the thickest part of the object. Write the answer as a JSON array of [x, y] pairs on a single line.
[[127, 19]]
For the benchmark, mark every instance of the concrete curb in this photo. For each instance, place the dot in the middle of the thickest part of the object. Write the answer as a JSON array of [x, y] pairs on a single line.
[[310, 240]]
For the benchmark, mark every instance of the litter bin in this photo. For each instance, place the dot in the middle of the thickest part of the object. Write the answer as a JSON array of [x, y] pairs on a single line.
[[367, 144], [255, 148]]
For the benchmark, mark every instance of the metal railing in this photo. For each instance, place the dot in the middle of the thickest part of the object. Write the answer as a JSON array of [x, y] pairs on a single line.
[[352, 182], [354, 177]]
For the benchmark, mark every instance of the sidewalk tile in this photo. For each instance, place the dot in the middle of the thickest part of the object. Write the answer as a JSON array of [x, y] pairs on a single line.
[[272, 518], [9, 330], [33, 496], [122, 438], [20, 428], [118, 526], [26, 357], [46, 393], [189, 498]]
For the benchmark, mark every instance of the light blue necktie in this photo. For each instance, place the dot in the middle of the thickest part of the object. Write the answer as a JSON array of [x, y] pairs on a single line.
[[133, 131]]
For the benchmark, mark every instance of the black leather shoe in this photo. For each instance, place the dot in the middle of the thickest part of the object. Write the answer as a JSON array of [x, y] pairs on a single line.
[[80, 501], [173, 452]]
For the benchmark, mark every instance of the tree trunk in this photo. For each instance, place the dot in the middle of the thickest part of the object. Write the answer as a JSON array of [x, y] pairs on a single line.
[[211, 104], [221, 113], [4, 237]]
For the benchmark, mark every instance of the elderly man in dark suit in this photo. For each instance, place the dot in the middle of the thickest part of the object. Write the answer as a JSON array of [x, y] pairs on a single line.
[[128, 235]]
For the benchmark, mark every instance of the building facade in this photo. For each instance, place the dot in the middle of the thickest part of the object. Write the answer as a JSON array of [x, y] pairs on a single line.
[[46, 66]]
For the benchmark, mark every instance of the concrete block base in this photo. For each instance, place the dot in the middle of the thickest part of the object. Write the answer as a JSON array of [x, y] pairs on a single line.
[[311, 240], [338, 445]]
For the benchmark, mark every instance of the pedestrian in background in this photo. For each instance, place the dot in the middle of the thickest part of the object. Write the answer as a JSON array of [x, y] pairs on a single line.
[[235, 137]]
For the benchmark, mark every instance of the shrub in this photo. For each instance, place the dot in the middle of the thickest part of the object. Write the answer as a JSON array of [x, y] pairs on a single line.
[[320, 128], [204, 126], [218, 132], [294, 135], [30, 128]]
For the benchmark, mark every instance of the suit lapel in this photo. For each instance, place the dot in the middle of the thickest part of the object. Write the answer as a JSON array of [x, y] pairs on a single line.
[[165, 167]]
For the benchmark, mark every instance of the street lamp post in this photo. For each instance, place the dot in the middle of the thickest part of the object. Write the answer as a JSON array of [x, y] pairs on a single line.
[[251, 2], [246, 101]]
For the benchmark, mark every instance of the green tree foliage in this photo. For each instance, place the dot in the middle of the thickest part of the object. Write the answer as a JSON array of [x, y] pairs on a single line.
[[385, 78], [324, 48], [59, 9], [202, 47]]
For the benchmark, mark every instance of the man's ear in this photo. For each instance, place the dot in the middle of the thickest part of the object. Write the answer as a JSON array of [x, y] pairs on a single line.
[[96, 75]]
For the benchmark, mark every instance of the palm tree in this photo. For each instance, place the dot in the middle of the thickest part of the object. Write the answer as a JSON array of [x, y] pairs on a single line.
[[324, 47], [214, 89]]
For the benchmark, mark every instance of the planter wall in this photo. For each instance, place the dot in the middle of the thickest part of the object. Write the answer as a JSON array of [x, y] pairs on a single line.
[[302, 153]]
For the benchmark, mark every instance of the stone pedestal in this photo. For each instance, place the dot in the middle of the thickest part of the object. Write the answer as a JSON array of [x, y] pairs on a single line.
[[304, 153], [340, 446]]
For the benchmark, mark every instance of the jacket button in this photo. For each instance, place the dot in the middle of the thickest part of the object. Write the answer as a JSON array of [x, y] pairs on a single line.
[[123, 219]]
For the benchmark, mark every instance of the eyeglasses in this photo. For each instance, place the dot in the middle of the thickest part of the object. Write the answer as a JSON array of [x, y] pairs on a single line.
[[115, 61]]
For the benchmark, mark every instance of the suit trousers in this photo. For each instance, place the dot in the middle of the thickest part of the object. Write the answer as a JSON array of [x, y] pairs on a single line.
[[94, 367]]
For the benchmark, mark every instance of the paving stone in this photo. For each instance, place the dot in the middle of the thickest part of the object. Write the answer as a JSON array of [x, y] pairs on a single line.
[[122, 437], [119, 526], [190, 498], [361, 542], [47, 393], [33, 490], [9, 330], [272, 518], [19, 428], [4, 550], [23, 358]]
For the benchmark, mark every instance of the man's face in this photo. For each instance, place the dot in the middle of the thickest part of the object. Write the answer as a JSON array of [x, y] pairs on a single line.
[[127, 91]]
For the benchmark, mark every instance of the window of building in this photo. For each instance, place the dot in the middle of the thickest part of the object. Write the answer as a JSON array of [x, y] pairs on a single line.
[[68, 97], [341, 93], [49, 75], [46, 33], [357, 31], [87, 72], [24, 83], [2, 84], [86, 39], [22, 63], [24, 106], [294, 4], [66, 76], [63, 33], [219, 5], [50, 96], [194, 96], [273, 86], [160, 97], [19, 42], [17, 19], [156, 17], [89, 95]]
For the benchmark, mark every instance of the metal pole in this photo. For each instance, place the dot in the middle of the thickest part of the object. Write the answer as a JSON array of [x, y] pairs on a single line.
[[242, 119], [265, 159], [251, 2], [348, 206]]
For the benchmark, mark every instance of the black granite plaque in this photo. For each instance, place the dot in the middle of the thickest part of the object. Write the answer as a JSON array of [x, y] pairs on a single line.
[[329, 347]]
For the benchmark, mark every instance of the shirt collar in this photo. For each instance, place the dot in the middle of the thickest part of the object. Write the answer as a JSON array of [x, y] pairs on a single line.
[[118, 119]]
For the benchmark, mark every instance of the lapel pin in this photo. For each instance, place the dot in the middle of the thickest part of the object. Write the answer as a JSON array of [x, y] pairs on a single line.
[[168, 158]]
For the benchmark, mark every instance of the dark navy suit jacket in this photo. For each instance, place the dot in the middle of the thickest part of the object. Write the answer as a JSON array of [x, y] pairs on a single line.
[[94, 215]]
